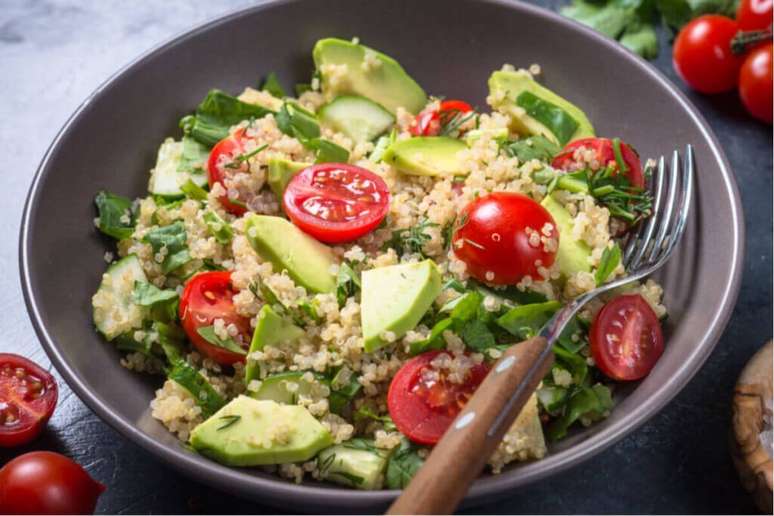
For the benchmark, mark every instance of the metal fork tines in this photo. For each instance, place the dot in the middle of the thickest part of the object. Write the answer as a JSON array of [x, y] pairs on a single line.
[[651, 245]]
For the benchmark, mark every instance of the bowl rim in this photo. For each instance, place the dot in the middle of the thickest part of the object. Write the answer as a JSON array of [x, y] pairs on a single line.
[[276, 489]]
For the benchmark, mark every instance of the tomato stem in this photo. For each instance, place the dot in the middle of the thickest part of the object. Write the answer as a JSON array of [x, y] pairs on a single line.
[[744, 39]]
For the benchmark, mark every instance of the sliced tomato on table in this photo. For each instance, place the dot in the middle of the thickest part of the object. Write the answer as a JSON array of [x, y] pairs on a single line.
[[422, 400], [336, 202], [28, 395], [626, 338], [602, 153], [430, 122], [206, 297], [495, 237], [223, 161]]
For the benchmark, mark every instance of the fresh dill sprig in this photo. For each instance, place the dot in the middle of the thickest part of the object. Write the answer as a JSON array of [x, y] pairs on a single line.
[[451, 121], [411, 240], [238, 160], [230, 420]]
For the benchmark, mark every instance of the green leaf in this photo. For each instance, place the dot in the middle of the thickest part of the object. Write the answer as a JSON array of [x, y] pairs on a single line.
[[573, 362], [552, 398], [115, 215], [535, 147], [477, 336], [610, 19], [433, 341], [172, 237], [410, 240], [193, 191], [218, 227], [588, 402], [510, 293], [148, 294], [403, 465], [327, 151], [297, 122], [366, 413], [566, 338], [348, 283], [341, 397], [611, 258], [465, 307], [301, 88], [273, 86], [208, 334], [216, 114], [526, 320]]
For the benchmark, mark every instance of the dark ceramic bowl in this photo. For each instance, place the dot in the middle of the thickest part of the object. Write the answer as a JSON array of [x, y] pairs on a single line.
[[450, 49]]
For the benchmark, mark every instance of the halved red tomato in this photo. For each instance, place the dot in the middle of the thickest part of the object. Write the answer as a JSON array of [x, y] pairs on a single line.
[[429, 122], [221, 157], [28, 395], [601, 154], [336, 202], [423, 402], [626, 338], [500, 237], [209, 296]]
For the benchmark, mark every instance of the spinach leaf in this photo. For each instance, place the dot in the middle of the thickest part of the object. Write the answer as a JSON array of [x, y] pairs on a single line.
[[218, 227], [115, 215], [148, 294], [611, 257], [641, 39], [342, 396], [193, 191], [566, 338], [273, 86], [552, 398], [556, 119], [590, 403], [208, 334], [434, 340], [609, 18], [348, 283], [127, 342], [297, 122], [535, 147], [403, 465], [216, 114], [173, 238], [511, 293], [477, 336], [327, 151], [366, 413], [526, 320]]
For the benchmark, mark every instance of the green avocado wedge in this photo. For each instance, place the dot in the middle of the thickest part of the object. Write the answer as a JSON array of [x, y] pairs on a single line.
[[536, 110], [573, 254], [249, 432], [395, 298], [367, 73], [426, 156], [281, 171], [307, 261], [271, 330]]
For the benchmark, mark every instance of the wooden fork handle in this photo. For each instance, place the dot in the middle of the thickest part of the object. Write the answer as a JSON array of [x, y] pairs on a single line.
[[464, 449]]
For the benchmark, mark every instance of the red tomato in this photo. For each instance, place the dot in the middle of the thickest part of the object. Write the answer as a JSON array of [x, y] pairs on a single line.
[[430, 121], [604, 155], [754, 14], [493, 238], [221, 158], [423, 402], [336, 202], [47, 483], [755, 82], [626, 339], [28, 395], [702, 54], [206, 297]]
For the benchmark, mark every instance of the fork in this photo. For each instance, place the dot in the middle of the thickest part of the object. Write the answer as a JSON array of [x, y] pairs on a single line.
[[460, 455]]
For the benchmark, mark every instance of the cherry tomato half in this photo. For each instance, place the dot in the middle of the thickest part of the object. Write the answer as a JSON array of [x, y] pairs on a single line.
[[626, 339], [702, 54], [754, 14], [206, 297], [755, 82], [505, 236], [429, 122], [28, 395], [336, 202], [603, 154], [423, 402], [44, 482], [219, 166]]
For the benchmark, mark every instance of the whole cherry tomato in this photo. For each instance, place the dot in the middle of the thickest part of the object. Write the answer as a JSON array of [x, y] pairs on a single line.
[[754, 14], [755, 82]]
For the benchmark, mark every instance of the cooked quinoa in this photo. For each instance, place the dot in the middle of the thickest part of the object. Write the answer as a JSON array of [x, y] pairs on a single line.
[[332, 338]]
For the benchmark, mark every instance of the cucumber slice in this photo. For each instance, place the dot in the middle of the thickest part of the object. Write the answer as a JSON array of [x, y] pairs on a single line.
[[355, 463], [173, 163], [284, 388], [357, 117], [114, 310]]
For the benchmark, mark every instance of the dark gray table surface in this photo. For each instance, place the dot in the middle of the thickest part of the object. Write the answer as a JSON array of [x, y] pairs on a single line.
[[54, 53]]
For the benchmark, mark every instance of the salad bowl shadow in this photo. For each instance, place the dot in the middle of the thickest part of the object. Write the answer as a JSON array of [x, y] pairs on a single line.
[[449, 51]]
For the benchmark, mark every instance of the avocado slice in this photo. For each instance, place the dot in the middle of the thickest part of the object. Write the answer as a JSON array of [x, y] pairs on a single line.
[[426, 156], [369, 73], [573, 254], [271, 330], [534, 109], [307, 261], [355, 463], [281, 171], [249, 432], [395, 298]]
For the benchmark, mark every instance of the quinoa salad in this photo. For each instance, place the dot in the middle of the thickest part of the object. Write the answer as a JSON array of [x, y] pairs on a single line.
[[321, 278]]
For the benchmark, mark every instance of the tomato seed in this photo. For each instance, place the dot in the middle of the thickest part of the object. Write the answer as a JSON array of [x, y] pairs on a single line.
[[9, 414]]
